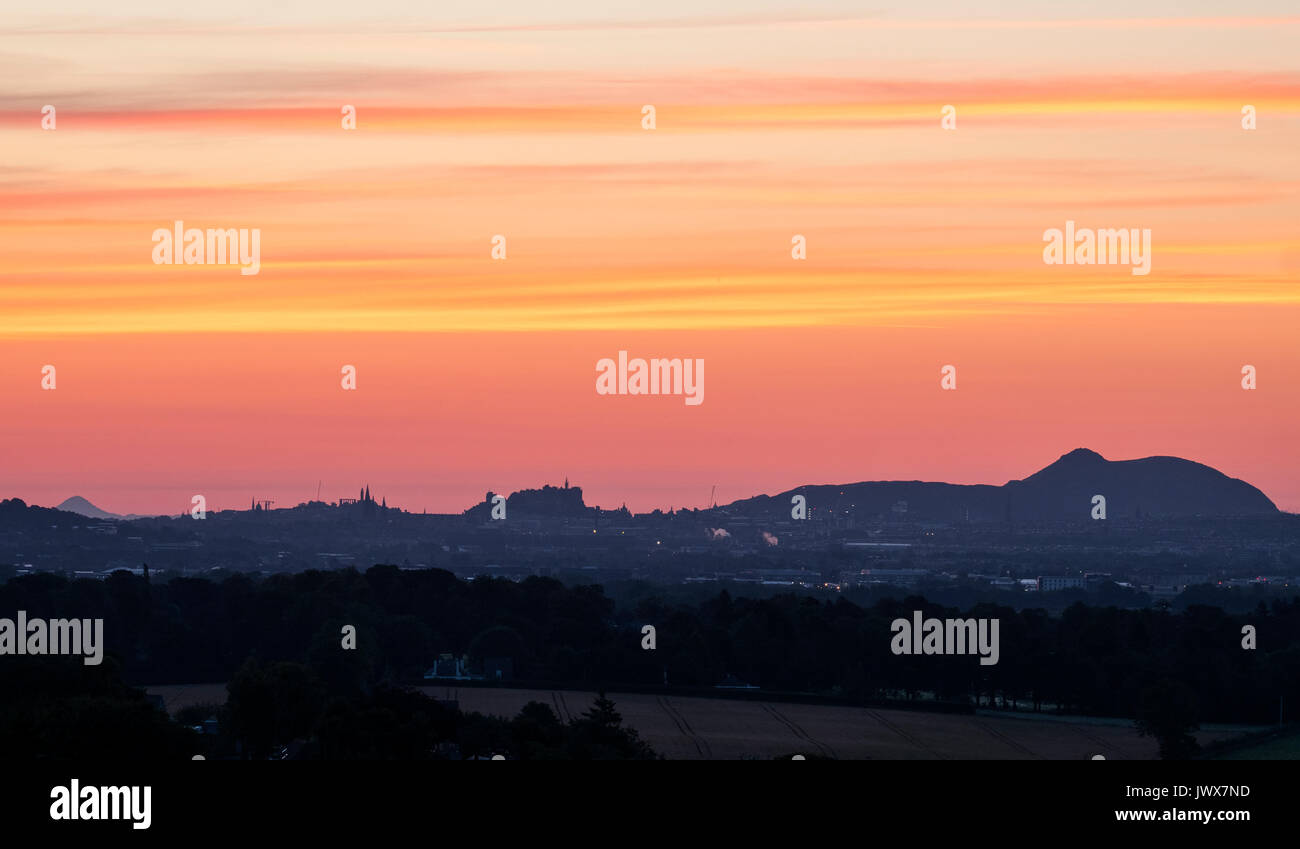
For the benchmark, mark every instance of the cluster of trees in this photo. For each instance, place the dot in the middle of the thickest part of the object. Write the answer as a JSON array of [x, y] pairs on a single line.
[[277, 705], [1092, 660], [56, 708], [59, 708]]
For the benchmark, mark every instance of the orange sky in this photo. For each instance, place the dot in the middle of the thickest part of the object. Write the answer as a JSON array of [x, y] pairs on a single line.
[[924, 248]]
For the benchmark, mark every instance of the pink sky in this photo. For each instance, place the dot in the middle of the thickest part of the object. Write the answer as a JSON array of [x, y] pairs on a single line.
[[924, 247]]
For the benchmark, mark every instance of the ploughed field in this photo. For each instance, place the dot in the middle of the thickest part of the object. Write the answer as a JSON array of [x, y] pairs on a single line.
[[682, 727]]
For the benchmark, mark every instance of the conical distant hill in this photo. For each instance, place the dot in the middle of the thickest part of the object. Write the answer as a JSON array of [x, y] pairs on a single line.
[[82, 507]]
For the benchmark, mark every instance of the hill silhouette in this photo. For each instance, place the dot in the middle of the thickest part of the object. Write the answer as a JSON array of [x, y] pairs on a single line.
[[1160, 487], [82, 507]]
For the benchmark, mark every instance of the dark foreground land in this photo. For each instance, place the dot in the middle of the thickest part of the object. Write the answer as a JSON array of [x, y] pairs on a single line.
[[688, 727]]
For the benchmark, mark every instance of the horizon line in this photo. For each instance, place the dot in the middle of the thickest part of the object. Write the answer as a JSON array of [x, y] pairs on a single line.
[[668, 510]]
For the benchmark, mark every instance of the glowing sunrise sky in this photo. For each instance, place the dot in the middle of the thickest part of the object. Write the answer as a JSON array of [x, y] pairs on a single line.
[[524, 119]]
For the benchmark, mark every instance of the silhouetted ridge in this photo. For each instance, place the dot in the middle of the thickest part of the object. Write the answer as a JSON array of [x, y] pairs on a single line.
[[1152, 486], [1079, 458]]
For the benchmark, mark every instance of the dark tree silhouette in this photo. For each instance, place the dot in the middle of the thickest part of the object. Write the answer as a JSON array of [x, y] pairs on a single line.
[[1167, 712]]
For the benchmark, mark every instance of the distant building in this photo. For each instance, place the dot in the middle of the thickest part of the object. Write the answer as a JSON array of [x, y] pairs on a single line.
[[894, 577], [1052, 583], [450, 667]]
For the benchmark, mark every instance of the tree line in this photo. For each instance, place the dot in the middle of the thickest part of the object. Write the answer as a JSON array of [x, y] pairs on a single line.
[[1089, 659]]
